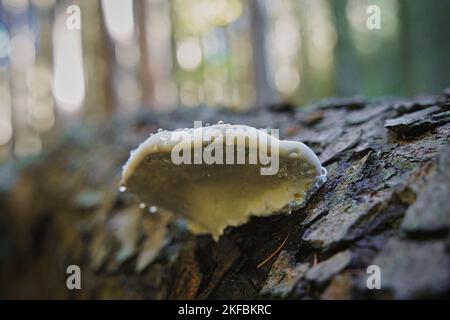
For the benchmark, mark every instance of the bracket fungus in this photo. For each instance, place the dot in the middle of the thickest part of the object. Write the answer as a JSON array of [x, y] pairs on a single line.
[[221, 175]]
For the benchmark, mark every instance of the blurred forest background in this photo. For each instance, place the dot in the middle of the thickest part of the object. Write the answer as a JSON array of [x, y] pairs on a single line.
[[237, 54]]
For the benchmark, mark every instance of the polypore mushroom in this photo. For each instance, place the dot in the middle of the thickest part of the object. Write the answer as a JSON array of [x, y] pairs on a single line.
[[220, 175]]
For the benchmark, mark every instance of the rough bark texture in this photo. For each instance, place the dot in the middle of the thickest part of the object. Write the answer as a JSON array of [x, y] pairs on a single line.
[[386, 202]]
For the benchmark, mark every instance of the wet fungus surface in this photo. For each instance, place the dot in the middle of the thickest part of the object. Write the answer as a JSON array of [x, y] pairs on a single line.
[[220, 175]]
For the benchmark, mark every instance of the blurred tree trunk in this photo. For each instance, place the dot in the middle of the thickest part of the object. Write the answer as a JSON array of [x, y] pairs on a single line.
[[348, 81], [427, 24], [265, 94], [146, 74], [405, 40], [96, 54]]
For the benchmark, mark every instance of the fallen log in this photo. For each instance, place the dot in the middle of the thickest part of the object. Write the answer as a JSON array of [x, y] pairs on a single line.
[[385, 204]]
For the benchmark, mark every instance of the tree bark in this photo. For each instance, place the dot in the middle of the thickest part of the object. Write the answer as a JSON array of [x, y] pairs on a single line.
[[385, 203]]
